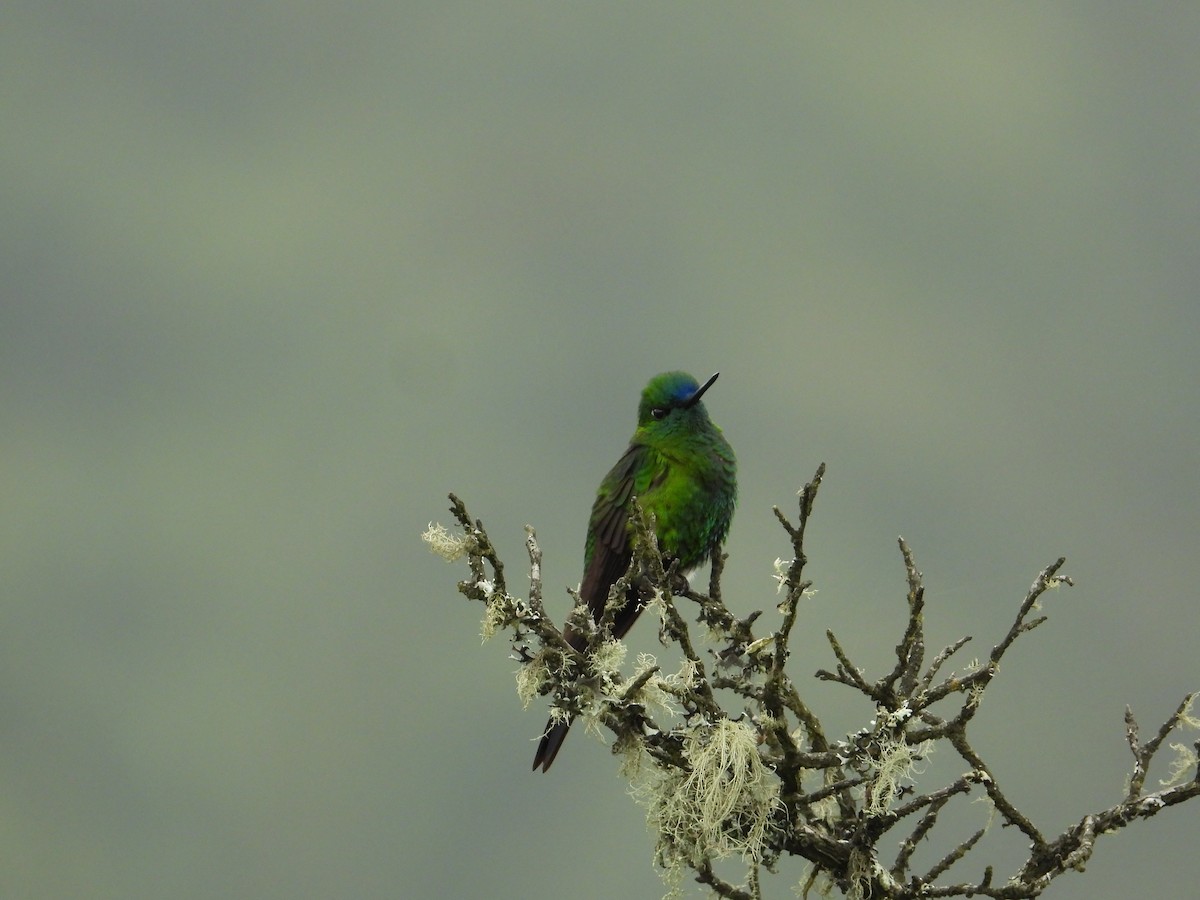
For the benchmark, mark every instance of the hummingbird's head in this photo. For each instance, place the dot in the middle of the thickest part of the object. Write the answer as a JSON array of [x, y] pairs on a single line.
[[671, 405]]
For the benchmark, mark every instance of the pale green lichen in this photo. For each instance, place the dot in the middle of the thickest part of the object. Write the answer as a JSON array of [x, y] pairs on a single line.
[[446, 544], [500, 610], [659, 693], [1185, 762], [814, 880], [607, 659], [721, 804], [782, 566], [858, 874], [530, 678], [1186, 718], [494, 614], [896, 763], [1186, 759]]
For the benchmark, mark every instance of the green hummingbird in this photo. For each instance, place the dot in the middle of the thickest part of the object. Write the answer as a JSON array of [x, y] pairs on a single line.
[[682, 470]]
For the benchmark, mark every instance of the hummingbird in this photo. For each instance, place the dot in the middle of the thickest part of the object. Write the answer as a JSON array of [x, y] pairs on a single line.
[[681, 469]]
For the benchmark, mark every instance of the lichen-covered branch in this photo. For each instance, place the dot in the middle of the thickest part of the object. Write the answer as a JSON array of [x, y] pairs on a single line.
[[730, 760]]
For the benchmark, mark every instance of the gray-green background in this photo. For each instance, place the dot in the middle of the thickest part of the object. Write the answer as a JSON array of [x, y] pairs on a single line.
[[277, 276]]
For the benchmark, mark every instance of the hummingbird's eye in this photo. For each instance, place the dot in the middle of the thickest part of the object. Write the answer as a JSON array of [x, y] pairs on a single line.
[[659, 412]]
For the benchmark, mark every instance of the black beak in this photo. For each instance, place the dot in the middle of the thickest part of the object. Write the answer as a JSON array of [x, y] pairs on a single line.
[[695, 398]]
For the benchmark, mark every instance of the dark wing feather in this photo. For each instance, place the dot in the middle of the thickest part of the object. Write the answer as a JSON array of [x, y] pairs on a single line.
[[606, 559], [609, 552]]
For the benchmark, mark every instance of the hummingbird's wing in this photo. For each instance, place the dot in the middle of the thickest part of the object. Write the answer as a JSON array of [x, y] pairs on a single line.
[[608, 552], [606, 558]]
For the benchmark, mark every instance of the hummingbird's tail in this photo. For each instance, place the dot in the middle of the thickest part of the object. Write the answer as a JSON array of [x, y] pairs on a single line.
[[549, 746]]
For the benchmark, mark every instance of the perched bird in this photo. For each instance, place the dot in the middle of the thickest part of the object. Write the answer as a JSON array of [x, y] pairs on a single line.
[[680, 468]]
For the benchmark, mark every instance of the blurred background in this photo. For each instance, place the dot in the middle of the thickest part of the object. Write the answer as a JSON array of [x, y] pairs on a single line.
[[278, 276]]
